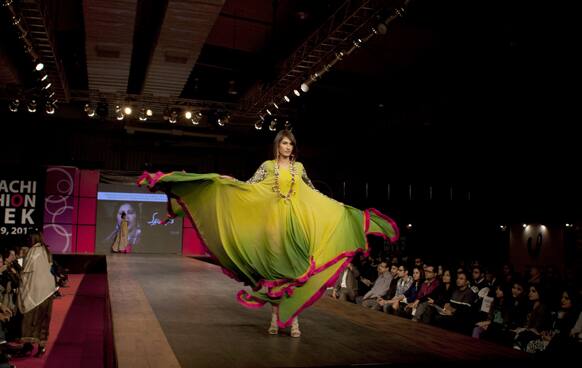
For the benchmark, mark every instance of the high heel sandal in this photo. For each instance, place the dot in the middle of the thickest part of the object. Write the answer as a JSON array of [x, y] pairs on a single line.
[[295, 332], [273, 328]]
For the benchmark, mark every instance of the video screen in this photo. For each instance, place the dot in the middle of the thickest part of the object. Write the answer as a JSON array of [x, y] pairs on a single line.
[[143, 212]]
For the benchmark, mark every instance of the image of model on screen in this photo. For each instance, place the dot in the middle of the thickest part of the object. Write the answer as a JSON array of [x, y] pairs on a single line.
[[126, 213]]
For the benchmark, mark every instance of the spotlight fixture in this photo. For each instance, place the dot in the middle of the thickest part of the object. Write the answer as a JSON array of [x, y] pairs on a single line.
[[275, 105], [49, 108], [273, 125], [382, 27], [102, 109], [31, 106], [149, 113], [47, 86], [195, 121], [232, 88], [286, 99], [297, 93], [222, 120], [188, 114], [127, 110], [305, 86], [269, 112], [259, 124], [13, 105], [44, 78], [118, 113], [39, 66], [51, 94], [287, 125], [142, 115], [173, 117], [89, 110]]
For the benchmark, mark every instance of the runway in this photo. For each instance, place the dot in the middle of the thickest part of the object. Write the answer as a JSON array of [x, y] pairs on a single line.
[[172, 311]]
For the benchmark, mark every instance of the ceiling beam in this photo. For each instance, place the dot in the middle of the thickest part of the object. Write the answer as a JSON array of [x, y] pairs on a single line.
[[109, 27], [184, 31]]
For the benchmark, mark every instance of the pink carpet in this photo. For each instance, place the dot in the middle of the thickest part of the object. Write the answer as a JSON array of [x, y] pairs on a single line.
[[79, 334]]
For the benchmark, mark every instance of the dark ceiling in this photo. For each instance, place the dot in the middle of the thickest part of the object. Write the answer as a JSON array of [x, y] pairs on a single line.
[[462, 89]]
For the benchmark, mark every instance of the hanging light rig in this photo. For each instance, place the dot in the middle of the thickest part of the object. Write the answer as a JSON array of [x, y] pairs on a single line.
[[297, 90], [44, 87]]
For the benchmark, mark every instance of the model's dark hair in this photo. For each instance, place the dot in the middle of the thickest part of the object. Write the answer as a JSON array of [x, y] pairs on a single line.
[[279, 137], [36, 237]]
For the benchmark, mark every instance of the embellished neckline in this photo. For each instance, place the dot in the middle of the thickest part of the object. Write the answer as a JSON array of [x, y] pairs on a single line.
[[276, 187]]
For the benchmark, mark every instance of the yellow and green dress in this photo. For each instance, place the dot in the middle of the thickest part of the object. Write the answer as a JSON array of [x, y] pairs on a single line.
[[275, 232]]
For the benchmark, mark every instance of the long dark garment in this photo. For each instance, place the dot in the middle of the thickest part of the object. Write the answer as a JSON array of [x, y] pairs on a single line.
[[35, 323]]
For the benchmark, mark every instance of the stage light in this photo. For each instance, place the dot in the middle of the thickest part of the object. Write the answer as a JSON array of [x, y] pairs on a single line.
[[48, 85], [31, 106], [287, 124], [297, 93], [409, 226], [305, 87], [232, 88], [13, 105], [51, 94], [173, 117], [273, 125], [49, 108], [188, 114], [142, 115], [44, 78], [275, 105], [223, 120], [149, 113], [569, 225], [89, 110], [195, 121], [259, 124], [269, 112], [39, 66], [127, 110], [286, 99], [524, 225]]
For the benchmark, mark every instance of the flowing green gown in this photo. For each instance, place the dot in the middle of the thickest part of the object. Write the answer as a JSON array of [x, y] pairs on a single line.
[[288, 250]]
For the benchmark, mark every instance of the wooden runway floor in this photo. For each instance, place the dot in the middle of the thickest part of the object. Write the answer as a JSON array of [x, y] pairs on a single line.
[[172, 311]]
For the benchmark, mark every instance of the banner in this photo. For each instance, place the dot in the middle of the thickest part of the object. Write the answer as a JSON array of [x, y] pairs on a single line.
[[20, 200]]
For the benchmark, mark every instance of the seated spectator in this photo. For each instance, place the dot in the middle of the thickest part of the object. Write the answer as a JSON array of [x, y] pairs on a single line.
[[412, 292], [380, 288], [346, 286], [528, 337], [426, 292], [402, 285], [457, 314], [440, 297]]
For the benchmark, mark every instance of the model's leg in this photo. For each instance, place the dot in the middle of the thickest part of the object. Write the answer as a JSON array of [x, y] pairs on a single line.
[[273, 328], [295, 332]]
